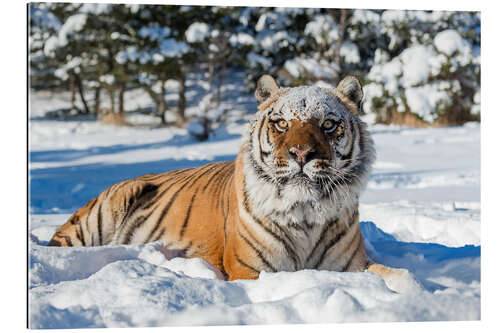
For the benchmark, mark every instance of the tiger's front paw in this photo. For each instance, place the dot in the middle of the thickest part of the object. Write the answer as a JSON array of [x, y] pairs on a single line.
[[398, 279]]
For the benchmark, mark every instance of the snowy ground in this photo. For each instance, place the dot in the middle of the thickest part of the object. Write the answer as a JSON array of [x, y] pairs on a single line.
[[421, 211]]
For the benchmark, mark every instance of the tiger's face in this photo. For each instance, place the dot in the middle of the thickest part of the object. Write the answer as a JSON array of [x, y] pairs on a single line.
[[308, 141]]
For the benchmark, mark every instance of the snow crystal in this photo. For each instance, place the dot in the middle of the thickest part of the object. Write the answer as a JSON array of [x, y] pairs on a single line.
[[197, 32]]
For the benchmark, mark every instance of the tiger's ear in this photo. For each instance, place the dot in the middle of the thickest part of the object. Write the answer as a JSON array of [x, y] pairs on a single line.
[[351, 88], [266, 87]]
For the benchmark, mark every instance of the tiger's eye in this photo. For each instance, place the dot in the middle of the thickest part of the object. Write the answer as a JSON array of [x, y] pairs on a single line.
[[282, 124], [328, 125]]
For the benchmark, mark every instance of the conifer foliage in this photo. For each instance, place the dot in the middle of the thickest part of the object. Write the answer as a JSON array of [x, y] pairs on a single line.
[[417, 67]]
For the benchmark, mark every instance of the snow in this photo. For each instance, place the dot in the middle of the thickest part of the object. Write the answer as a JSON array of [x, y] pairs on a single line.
[[350, 52], [95, 8], [323, 29], [154, 33], [173, 48], [197, 32], [44, 18], [254, 59], [271, 41], [449, 42], [423, 100], [241, 39], [320, 70], [420, 211], [72, 23]]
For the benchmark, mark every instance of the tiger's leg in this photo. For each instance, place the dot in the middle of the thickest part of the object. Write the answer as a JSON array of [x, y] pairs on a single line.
[[101, 218], [398, 279]]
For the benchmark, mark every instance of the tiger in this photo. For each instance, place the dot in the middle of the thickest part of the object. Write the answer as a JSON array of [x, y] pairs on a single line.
[[288, 202]]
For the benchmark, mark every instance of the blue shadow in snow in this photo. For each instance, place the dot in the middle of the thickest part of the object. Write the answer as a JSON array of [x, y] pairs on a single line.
[[68, 188], [65, 155], [425, 260]]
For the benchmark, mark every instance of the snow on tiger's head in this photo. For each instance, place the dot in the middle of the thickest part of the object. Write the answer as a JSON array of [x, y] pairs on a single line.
[[308, 141]]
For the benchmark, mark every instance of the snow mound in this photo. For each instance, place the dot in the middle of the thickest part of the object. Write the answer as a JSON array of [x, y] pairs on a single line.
[[110, 286]]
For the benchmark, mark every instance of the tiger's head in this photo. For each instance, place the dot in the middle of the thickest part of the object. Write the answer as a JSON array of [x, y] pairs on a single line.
[[308, 142]]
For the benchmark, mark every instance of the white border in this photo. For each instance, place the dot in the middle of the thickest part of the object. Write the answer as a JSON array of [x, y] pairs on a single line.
[[13, 192]]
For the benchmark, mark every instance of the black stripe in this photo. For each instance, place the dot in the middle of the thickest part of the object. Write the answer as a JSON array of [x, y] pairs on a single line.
[[259, 253], [246, 265], [81, 234], [67, 239], [188, 214], [87, 221], [348, 263], [213, 176], [118, 186], [134, 226], [254, 239], [164, 191], [288, 249], [260, 140], [78, 236], [226, 214], [172, 200], [221, 181], [99, 223], [169, 174], [326, 228], [329, 246], [267, 136], [348, 156], [160, 234], [258, 170], [134, 202]]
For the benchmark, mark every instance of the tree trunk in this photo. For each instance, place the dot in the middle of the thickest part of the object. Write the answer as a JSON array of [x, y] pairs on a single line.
[[97, 100], [181, 104], [72, 88], [81, 92], [162, 105], [220, 81], [121, 102], [111, 99], [342, 28]]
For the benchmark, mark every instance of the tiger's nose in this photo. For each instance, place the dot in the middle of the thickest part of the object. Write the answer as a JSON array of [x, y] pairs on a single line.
[[301, 154]]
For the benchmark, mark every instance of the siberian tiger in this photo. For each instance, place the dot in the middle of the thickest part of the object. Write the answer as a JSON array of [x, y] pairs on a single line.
[[288, 202]]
